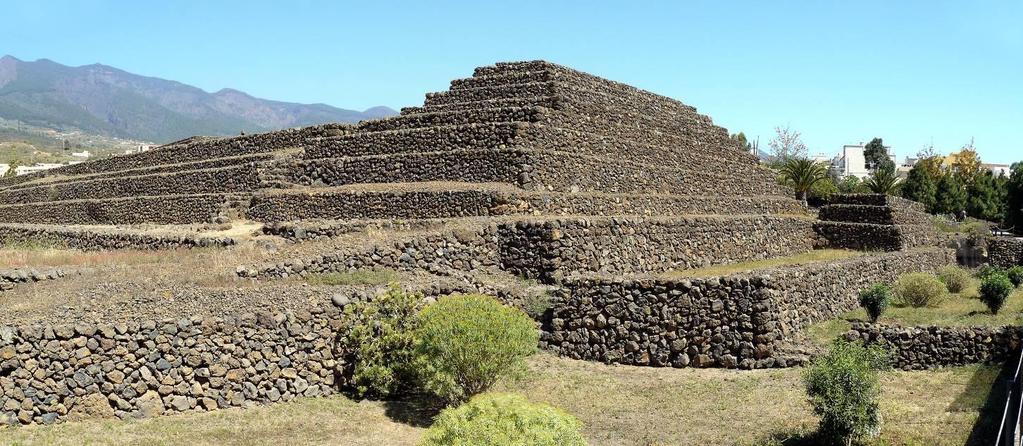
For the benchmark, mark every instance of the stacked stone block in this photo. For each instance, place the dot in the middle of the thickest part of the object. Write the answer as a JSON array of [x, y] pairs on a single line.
[[875, 222]]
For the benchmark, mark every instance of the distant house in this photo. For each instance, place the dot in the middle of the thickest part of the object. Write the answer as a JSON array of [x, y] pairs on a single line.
[[84, 155], [139, 149], [851, 162], [25, 170], [998, 169]]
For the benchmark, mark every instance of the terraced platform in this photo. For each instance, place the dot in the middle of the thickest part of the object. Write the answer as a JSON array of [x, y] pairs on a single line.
[[524, 178]]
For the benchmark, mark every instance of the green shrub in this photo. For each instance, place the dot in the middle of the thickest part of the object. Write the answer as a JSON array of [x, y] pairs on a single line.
[[994, 290], [919, 290], [536, 304], [956, 279], [987, 271], [380, 338], [843, 388], [1015, 275], [504, 420], [875, 300], [468, 342]]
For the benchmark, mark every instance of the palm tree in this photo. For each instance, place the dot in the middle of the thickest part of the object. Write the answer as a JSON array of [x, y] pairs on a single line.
[[883, 180], [803, 174]]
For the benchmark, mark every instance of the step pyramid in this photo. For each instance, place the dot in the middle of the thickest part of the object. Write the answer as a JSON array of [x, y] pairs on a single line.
[[546, 145], [875, 222]]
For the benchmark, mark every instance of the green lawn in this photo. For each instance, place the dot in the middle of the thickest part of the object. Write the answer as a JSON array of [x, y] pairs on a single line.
[[962, 309]]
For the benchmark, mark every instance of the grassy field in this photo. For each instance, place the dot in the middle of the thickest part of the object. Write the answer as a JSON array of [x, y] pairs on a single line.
[[961, 309], [618, 405], [820, 255]]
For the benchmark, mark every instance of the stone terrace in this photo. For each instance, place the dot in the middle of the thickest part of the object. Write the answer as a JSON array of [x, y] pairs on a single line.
[[525, 170]]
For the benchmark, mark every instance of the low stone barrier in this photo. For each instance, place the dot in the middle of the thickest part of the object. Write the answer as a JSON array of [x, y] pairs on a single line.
[[93, 239], [169, 209], [552, 249], [926, 347], [51, 373], [13, 276], [740, 321]]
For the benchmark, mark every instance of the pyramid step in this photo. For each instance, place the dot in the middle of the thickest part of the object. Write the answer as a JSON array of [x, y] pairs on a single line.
[[505, 91], [532, 101], [223, 180], [454, 117], [527, 168], [418, 139], [166, 209], [456, 200], [514, 77]]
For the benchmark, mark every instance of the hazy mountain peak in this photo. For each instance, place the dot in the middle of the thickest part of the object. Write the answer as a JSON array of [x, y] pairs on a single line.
[[102, 99]]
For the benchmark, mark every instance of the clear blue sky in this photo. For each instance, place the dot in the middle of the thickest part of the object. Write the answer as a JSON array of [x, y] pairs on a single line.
[[840, 72]]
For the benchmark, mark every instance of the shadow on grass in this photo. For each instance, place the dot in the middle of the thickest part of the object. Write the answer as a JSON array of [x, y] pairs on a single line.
[[988, 398], [415, 410], [798, 437]]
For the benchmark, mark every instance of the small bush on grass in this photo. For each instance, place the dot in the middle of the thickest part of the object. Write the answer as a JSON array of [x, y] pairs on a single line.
[[844, 388], [987, 271], [956, 279], [875, 300], [467, 342], [380, 335], [1015, 275], [994, 290], [504, 419], [919, 290]]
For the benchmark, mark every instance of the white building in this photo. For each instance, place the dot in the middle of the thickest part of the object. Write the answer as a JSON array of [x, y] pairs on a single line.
[[25, 170], [852, 162], [141, 148], [85, 154], [4, 168], [998, 169]]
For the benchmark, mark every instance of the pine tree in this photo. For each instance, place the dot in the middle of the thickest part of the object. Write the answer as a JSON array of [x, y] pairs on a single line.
[[920, 187], [1014, 198], [876, 156], [951, 196], [982, 201]]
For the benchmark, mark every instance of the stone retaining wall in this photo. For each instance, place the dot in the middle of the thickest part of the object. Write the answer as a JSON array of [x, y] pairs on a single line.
[[91, 239], [180, 209], [1005, 252], [221, 180], [554, 248], [51, 373], [916, 348], [736, 321]]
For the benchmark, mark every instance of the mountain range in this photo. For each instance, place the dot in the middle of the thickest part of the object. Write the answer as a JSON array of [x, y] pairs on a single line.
[[105, 100]]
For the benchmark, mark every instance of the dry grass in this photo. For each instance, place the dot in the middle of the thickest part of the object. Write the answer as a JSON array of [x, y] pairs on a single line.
[[357, 277], [618, 406], [820, 255]]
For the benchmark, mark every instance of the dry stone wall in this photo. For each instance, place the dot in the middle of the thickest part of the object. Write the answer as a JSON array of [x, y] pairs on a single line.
[[1005, 252], [926, 347], [13, 276], [97, 239], [51, 373], [178, 209], [551, 249], [735, 321], [222, 180]]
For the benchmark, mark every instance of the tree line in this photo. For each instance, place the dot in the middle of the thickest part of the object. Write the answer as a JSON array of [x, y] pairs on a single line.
[[958, 186]]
